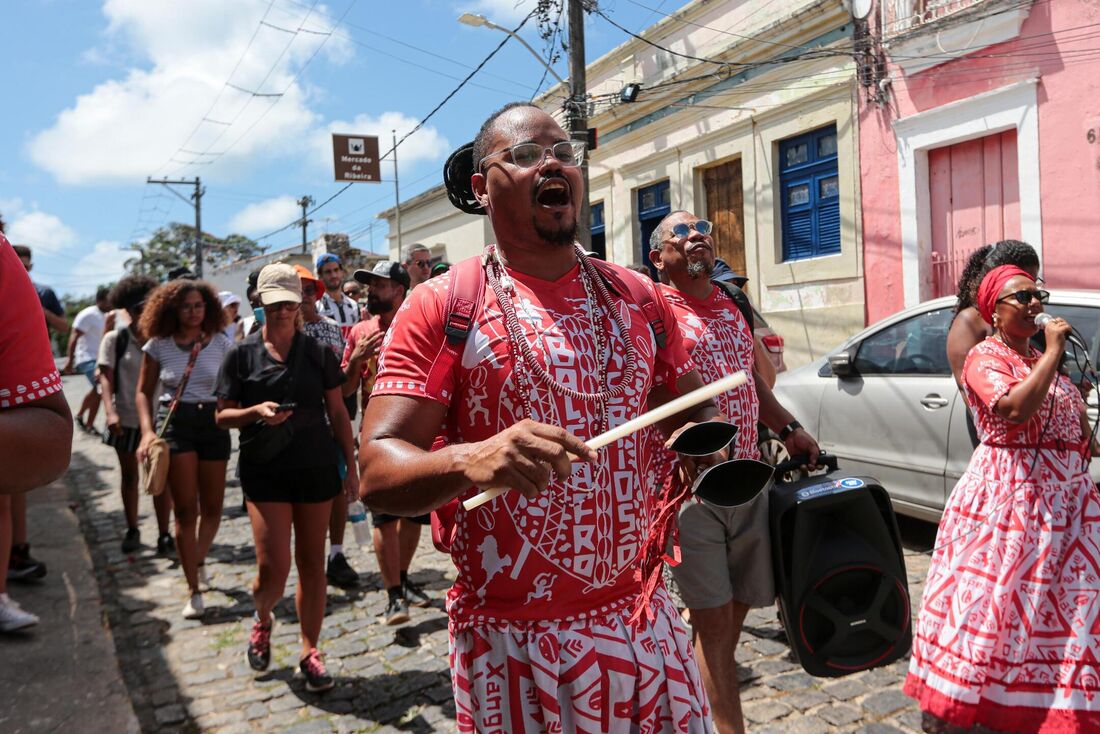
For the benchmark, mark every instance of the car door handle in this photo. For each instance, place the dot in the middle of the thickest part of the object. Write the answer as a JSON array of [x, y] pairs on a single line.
[[934, 401]]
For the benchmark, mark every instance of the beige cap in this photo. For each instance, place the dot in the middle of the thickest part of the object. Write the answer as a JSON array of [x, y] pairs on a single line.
[[279, 283]]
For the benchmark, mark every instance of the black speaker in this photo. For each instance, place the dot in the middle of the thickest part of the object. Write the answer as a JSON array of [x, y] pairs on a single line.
[[839, 573]]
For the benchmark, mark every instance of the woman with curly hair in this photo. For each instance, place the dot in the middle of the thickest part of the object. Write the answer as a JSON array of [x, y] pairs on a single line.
[[181, 318], [119, 365]]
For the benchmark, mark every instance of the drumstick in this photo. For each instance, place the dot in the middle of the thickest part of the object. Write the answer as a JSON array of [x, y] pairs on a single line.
[[656, 415]]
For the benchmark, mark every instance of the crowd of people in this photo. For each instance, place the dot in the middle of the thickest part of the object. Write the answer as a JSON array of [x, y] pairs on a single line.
[[498, 373]]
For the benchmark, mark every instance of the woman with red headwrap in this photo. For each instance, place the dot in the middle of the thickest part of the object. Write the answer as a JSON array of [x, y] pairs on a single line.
[[1006, 638]]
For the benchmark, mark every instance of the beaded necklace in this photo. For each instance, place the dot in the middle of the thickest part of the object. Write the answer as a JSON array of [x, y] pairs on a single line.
[[528, 368]]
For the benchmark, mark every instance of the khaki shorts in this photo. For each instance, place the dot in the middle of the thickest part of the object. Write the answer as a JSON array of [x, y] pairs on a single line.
[[725, 555]]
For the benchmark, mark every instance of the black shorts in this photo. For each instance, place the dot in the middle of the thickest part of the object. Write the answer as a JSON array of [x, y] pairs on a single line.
[[297, 486], [193, 429], [126, 442], [379, 519]]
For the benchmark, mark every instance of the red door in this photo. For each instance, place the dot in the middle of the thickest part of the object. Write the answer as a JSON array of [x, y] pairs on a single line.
[[975, 200]]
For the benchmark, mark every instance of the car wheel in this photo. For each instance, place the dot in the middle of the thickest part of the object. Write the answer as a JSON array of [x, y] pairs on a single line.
[[773, 451]]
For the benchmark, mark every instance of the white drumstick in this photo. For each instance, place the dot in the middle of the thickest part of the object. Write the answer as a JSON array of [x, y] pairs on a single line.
[[656, 415]]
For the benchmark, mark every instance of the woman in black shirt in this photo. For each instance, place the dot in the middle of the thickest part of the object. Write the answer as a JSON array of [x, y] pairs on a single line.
[[277, 377]]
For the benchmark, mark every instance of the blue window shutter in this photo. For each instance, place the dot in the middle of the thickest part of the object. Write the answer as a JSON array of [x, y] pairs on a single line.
[[828, 227], [798, 236]]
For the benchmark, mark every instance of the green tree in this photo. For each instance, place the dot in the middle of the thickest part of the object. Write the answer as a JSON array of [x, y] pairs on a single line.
[[174, 246]]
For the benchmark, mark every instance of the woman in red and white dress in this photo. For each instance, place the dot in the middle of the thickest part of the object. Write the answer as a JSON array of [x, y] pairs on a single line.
[[1006, 639]]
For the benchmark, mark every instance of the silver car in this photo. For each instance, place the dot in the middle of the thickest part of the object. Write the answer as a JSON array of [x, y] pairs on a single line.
[[885, 402]]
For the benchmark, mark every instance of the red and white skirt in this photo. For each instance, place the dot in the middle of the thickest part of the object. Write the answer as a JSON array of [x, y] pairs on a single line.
[[598, 675], [1008, 635]]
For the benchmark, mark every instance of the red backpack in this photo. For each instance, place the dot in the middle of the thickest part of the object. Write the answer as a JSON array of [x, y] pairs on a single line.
[[465, 298]]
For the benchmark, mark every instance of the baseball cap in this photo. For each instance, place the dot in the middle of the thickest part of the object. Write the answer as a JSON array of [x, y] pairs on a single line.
[[327, 258], [440, 267], [305, 273], [228, 298], [279, 283], [387, 269]]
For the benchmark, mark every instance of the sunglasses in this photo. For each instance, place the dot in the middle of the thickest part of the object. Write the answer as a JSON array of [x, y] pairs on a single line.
[[569, 153], [1024, 297], [422, 263], [683, 229]]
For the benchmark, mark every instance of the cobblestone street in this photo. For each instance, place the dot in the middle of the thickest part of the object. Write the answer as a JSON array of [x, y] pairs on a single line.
[[190, 676]]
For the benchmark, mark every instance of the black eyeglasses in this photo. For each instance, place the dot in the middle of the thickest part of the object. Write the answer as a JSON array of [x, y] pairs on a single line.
[[1024, 297], [569, 153], [683, 229]]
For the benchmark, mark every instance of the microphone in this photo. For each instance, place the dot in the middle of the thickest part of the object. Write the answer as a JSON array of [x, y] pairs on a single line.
[[1041, 320]]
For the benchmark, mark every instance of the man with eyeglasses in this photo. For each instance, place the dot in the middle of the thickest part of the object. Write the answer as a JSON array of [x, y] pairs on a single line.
[[558, 620], [725, 566], [418, 263]]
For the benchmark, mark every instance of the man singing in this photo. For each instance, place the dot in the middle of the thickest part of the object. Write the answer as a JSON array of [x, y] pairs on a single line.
[[549, 572], [725, 563]]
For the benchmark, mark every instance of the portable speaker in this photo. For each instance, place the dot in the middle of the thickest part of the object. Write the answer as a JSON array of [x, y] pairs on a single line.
[[839, 573]]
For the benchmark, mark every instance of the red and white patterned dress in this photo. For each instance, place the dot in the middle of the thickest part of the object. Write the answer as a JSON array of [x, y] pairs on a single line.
[[27, 369], [1008, 635], [539, 633]]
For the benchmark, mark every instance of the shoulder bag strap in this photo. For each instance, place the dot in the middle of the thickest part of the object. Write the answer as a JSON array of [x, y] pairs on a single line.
[[630, 287], [465, 298], [740, 300], [195, 349]]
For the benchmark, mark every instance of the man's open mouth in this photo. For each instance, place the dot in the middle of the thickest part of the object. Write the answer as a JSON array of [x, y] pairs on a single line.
[[553, 193]]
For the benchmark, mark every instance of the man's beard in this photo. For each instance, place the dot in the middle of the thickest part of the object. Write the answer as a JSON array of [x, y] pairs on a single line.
[[698, 268], [376, 306], [564, 235]]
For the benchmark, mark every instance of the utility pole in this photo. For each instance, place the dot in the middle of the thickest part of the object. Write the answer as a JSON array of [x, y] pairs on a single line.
[[576, 108], [196, 202], [305, 202], [396, 196]]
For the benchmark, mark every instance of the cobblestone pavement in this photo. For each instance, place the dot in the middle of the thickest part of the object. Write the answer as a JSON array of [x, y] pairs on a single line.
[[191, 676]]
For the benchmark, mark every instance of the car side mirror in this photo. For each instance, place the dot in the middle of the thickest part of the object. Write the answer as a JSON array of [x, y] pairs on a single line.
[[842, 365]]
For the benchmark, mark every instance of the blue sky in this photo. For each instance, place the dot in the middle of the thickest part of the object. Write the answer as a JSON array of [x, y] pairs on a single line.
[[99, 95]]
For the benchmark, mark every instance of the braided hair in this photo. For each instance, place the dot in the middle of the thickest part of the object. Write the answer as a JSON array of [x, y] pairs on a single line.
[[464, 163], [984, 259]]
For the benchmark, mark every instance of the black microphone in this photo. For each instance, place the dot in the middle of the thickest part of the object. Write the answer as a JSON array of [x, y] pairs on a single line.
[[1041, 320]]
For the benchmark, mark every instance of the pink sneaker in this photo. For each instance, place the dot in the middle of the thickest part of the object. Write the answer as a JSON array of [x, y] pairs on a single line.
[[313, 668]]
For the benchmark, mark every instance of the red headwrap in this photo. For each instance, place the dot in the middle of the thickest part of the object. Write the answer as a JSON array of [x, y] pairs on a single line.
[[991, 287]]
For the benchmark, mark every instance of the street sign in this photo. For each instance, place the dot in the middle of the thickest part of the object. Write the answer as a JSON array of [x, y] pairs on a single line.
[[355, 158]]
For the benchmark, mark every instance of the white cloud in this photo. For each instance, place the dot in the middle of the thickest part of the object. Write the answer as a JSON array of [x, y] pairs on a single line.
[[264, 216], [42, 232], [104, 263], [127, 128], [427, 144]]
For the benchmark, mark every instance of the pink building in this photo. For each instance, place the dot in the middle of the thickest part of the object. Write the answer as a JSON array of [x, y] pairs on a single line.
[[980, 121]]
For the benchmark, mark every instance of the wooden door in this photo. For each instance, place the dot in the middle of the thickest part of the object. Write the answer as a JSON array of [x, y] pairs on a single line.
[[726, 209], [974, 193]]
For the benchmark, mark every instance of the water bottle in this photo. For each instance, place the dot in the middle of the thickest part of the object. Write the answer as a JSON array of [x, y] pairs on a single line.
[[357, 516]]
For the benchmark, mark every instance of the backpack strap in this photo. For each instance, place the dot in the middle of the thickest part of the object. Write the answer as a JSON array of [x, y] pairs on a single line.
[[740, 300], [122, 340], [629, 286], [464, 301]]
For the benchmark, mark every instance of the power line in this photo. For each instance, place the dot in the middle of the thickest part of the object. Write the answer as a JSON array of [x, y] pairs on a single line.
[[418, 126]]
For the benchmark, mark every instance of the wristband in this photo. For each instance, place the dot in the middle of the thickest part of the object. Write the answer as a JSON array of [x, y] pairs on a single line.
[[787, 430]]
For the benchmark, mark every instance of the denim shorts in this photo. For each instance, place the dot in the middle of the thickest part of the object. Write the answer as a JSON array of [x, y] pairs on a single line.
[[87, 369], [193, 429]]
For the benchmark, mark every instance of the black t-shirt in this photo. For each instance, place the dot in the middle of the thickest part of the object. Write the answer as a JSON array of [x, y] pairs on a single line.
[[250, 375]]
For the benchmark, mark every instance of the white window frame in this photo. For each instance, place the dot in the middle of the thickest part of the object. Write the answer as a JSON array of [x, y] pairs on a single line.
[[1011, 107]]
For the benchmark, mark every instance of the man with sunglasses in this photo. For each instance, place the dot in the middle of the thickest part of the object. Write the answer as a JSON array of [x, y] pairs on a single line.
[[551, 626], [418, 264], [725, 566]]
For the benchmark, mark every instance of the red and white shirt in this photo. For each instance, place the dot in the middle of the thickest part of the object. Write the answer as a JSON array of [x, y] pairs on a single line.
[[27, 369], [719, 341], [572, 553]]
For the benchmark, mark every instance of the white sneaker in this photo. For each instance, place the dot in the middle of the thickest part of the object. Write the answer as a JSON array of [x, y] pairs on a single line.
[[194, 608], [12, 617]]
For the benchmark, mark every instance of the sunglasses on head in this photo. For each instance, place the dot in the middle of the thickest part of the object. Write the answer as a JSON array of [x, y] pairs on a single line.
[[1024, 297], [683, 229]]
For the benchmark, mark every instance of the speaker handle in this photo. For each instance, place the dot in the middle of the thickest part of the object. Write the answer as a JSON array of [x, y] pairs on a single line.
[[795, 463]]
